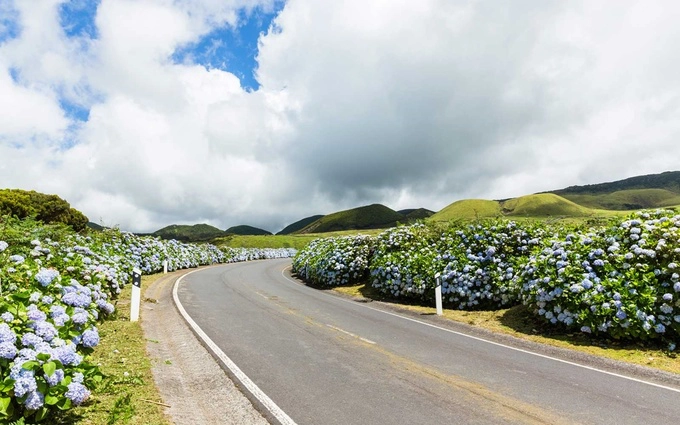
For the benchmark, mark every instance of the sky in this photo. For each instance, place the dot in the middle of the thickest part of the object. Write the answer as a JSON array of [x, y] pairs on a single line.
[[147, 113]]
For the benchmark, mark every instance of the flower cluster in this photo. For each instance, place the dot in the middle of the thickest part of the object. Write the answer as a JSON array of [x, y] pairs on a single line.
[[54, 293], [622, 280], [334, 261]]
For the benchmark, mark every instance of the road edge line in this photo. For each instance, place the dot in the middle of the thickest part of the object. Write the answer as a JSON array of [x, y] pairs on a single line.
[[271, 407]]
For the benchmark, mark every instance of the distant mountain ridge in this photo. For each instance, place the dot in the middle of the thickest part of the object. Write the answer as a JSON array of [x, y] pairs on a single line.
[[669, 180], [639, 192], [375, 216], [648, 191]]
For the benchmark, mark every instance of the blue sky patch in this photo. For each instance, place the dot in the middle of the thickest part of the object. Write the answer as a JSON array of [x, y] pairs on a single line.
[[9, 22], [15, 74], [74, 111], [77, 18], [232, 49]]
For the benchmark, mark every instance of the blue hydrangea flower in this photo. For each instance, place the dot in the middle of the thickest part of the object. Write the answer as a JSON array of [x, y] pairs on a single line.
[[35, 400], [46, 276], [8, 350], [34, 314], [25, 383], [90, 338], [7, 334], [77, 393], [3, 245], [55, 378], [80, 316], [17, 259], [45, 330], [30, 339], [7, 316], [67, 355]]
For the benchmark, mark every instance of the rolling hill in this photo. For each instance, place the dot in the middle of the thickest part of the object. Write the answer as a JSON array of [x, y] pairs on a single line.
[[375, 216], [538, 205], [188, 233], [299, 225], [648, 191], [468, 209], [244, 229], [543, 205]]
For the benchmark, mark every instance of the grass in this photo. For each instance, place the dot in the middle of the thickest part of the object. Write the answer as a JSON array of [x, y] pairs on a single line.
[[520, 323], [297, 241], [469, 209], [128, 394], [544, 204]]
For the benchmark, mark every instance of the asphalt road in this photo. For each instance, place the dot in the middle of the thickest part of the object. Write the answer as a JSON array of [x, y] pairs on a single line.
[[324, 359]]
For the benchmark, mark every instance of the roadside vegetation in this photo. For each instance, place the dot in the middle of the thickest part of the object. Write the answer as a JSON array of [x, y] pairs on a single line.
[[613, 285], [66, 347]]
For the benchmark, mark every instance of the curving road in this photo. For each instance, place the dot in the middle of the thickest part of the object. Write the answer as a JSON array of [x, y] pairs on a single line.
[[324, 359]]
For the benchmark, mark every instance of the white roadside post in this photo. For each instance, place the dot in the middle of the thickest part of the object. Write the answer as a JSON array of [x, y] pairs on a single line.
[[165, 266], [136, 297], [438, 295]]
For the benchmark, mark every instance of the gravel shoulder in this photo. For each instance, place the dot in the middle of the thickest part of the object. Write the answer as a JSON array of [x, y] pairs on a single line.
[[189, 379]]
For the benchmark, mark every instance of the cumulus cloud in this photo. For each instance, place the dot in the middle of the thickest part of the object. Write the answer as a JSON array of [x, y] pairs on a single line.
[[405, 103]]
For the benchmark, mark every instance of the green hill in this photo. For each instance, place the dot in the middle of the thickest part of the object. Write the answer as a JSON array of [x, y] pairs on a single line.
[[246, 230], [468, 209], [539, 205], [299, 225], [543, 205], [416, 214], [648, 191], [374, 216], [632, 199], [669, 180], [188, 233]]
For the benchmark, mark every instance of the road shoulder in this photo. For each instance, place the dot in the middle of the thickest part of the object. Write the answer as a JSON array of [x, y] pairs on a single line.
[[190, 381]]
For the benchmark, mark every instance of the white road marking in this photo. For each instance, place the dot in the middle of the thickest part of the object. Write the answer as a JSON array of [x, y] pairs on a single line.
[[267, 402], [350, 334], [494, 343]]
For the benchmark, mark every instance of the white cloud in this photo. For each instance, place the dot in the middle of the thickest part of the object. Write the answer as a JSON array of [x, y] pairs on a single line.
[[407, 103]]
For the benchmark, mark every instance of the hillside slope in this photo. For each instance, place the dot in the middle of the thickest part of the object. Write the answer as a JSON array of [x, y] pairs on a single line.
[[189, 233], [244, 229], [299, 225], [468, 209], [374, 216], [648, 191], [543, 205]]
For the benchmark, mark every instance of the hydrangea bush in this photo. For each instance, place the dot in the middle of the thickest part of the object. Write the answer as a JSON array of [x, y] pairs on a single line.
[[405, 263], [483, 263], [52, 297], [621, 280], [334, 261]]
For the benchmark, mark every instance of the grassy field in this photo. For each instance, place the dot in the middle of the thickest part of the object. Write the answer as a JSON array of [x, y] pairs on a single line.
[[296, 241], [520, 323], [128, 394]]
